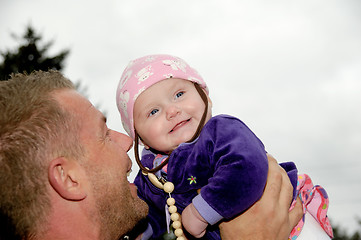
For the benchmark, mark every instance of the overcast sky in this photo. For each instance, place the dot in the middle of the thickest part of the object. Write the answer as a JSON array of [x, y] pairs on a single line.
[[291, 70]]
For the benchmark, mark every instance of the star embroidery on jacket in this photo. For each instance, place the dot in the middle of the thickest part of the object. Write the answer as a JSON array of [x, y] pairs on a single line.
[[192, 180]]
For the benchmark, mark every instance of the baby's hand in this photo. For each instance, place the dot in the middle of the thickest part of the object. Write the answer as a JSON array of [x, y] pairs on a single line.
[[193, 222]]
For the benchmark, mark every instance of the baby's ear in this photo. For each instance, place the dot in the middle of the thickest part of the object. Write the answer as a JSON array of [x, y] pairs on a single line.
[[142, 142], [208, 98], [210, 104], [209, 101]]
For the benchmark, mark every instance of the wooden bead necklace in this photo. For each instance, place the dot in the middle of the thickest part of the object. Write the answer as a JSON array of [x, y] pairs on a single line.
[[168, 187]]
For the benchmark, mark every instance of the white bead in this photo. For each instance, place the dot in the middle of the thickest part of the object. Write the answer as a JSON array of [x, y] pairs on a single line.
[[178, 232], [174, 217], [168, 187], [177, 224], [172, 209], [170, 201]]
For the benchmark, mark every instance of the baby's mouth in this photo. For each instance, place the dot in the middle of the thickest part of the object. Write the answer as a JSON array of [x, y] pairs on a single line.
[[180, 124]]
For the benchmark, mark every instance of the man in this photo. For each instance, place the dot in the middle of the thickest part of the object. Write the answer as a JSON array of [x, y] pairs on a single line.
[[63, 173]]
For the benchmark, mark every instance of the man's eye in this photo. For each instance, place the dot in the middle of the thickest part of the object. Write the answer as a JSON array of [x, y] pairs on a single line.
[[107, 133], [179, 94], [154, 111]]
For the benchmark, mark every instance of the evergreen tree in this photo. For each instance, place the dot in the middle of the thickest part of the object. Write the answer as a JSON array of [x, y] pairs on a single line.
[[341, 234], [30, 56]]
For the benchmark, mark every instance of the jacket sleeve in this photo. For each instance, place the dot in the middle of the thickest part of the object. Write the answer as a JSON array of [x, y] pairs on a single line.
[[240, 167]]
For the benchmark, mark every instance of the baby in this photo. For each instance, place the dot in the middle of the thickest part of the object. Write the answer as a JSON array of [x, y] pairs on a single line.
[[217, 165]]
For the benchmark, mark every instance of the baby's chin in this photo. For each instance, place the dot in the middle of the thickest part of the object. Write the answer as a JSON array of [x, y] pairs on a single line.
[[172, 146], [177, 145], [167, 150]]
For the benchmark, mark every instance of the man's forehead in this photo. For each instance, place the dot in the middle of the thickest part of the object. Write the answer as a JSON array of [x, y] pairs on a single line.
[[77, 105], [81, 109], [71, 100]]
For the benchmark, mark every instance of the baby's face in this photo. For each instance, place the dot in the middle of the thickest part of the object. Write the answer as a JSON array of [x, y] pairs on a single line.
[[168, 114]]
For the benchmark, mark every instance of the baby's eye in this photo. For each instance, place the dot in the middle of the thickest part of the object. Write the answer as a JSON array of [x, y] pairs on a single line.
[[179, 94], [154, 111]]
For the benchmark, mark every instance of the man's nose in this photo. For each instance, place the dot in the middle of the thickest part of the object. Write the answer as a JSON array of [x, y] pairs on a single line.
[[124, 141]]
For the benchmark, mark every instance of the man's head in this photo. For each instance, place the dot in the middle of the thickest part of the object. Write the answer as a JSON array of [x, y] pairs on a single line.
[[33, 130], [117, 208], [53, 148]]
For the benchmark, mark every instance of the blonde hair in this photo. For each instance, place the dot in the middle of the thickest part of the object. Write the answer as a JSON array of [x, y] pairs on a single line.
[[34, 130]]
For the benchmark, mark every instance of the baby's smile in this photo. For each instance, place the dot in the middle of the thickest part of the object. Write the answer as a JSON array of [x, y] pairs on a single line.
[[179, 125]]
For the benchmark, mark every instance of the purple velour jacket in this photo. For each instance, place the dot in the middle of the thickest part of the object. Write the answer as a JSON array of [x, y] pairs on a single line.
[[227, 162]]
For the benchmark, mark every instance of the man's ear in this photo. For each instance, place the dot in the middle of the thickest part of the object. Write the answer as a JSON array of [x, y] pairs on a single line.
[[66, 176]]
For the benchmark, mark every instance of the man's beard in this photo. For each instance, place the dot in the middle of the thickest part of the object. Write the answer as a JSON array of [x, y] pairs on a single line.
[[117, 210]]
